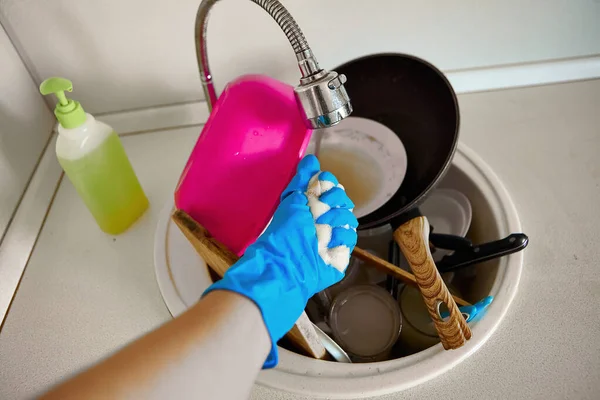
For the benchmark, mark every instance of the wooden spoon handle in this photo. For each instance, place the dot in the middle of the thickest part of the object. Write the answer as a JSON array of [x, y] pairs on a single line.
[[388, 268], [413, 239], [219, 259]]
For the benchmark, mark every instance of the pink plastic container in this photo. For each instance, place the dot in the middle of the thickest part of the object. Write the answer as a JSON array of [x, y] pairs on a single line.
[[244, 158]]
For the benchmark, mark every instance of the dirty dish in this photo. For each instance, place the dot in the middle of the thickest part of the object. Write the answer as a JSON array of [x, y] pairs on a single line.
[[368, 159], [365, 321], [449, 212], [332, 347]]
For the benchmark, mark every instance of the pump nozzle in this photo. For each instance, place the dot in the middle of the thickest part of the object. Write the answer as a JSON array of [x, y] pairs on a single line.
[[69, 113]]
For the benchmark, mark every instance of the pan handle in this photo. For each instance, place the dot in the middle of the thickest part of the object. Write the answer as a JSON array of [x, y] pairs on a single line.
[[483, 252], [413, 239], [449, 242]]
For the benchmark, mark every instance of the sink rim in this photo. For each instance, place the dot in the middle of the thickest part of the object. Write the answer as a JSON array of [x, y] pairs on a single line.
[[323, 379]]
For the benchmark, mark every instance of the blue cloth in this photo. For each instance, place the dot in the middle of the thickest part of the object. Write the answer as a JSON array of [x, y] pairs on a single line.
[[283, 268]]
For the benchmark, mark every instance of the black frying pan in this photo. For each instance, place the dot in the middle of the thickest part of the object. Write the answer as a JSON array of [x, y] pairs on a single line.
[[415, 100]]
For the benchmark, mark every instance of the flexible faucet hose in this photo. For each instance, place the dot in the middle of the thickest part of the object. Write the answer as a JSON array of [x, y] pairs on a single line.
[[273, 7], [286, 22]]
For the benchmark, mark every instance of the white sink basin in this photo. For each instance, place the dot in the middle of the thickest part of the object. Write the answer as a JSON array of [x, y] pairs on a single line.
[[494, 217]]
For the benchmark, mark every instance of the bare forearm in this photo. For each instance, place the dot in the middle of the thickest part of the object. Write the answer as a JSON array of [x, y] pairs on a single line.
[[220, 341]]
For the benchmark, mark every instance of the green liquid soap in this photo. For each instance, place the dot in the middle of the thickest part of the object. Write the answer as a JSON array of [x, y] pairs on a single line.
[[108, 185]]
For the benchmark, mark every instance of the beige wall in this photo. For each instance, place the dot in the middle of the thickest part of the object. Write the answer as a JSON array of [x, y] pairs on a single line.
[[25, 125], [124, 54]]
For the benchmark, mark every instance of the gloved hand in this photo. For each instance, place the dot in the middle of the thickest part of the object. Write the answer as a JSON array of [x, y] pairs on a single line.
[[305, 249]]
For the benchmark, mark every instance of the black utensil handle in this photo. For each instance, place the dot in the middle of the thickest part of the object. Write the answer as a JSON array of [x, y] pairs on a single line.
[[483, 252], [391, 283], [450, 242]]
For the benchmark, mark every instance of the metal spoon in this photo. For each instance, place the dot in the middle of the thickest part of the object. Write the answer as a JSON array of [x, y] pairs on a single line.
[[332, 347]]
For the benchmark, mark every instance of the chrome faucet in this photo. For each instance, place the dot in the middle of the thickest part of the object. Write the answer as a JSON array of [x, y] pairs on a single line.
[[321, 93]]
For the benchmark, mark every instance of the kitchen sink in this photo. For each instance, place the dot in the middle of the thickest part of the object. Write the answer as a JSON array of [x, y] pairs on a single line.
[[183, 279]]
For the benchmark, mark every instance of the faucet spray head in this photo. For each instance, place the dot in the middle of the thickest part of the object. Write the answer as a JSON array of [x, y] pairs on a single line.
[[324, 99], [321, 93]]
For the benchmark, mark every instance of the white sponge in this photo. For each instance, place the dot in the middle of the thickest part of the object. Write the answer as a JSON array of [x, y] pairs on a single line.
[[339, 256]]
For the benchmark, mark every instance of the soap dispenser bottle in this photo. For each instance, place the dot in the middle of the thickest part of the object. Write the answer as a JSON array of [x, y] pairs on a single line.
[[95, 162]]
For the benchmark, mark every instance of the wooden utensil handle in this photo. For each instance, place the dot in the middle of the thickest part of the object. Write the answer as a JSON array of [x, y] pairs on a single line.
[[391, 269], [413, 239], [217, 256], [219, 259]]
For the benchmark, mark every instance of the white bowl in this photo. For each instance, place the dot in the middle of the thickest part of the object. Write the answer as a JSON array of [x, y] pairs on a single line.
[[182, 277], [366, 156]]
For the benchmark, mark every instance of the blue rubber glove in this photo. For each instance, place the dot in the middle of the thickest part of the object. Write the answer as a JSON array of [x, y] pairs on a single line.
[[305, 249]]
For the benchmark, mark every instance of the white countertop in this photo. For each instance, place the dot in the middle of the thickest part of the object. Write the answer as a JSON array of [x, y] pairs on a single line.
[[84, 294]]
